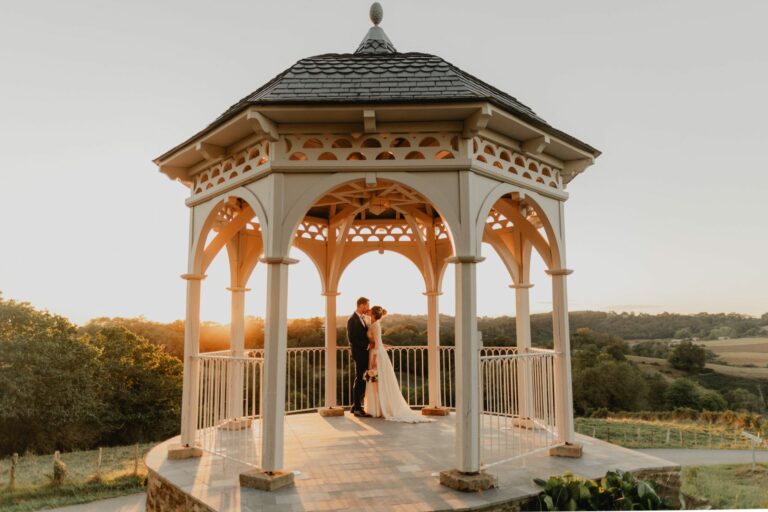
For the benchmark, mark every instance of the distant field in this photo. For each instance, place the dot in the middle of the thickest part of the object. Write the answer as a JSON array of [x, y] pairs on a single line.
[[657, 365], [741, 351]]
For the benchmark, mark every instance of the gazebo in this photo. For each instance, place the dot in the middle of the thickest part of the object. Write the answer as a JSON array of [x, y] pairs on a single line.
[[377, 150]]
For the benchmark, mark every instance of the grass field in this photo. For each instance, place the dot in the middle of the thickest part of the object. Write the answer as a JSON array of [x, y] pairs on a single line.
[[634, 433], [741, 351], [121, 473], [658, 365], [728, 486]]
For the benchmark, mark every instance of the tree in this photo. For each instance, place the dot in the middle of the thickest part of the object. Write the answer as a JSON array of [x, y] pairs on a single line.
[[141, 385], [688, 357], [615, 385], [722, 331], [683, 334], [169, 336], [657, 387], [711, 400], [49, 385], [682, 393], [740, 399]]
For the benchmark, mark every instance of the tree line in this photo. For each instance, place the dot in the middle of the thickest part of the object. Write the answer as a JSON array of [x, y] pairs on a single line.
[[118, 380], [65, 388], [412, 329]]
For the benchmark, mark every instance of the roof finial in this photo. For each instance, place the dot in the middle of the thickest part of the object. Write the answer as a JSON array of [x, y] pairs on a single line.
[[376, 13], [376, 41]]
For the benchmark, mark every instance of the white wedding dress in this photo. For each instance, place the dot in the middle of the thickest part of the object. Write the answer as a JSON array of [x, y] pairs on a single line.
[[383, 397]]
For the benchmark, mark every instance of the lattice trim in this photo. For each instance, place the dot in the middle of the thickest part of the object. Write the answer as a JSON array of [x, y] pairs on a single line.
[[396, 146], [505, 159], [233, 166]]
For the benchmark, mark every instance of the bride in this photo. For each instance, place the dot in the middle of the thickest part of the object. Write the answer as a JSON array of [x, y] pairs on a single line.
[[382, 396]]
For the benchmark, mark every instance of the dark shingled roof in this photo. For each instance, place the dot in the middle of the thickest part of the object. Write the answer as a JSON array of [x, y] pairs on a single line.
[[378, 78], [377, 73]]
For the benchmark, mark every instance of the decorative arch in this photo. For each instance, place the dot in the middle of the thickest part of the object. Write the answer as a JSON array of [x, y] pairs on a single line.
[[549, 247], [202, 254], [328, 183]]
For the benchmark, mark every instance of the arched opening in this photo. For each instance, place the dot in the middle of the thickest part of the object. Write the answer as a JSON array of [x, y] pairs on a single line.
[[342, 232], [519, 241]]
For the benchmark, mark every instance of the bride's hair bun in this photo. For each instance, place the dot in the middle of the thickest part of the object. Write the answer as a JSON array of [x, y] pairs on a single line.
[[378, 312]]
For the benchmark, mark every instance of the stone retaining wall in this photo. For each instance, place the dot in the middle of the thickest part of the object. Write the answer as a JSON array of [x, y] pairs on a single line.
[[163, 496]]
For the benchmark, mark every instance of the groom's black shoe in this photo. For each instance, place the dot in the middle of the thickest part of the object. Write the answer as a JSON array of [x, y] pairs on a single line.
[[361, 414]]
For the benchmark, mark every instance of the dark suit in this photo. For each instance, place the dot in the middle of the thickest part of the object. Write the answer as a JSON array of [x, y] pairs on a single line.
[[357, 337]]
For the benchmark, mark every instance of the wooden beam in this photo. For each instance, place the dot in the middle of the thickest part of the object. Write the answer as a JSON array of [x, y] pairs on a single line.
[[209, 151], [175, 173], [369, 121], [536, 145], [510, 211], [476, 122], [577, 166], [262, 124]]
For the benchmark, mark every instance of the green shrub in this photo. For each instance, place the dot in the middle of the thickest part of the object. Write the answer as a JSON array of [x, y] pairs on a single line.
[[617, 490]]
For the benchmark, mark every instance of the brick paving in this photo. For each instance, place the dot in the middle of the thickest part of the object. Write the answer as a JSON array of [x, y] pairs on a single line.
[[348, 463]]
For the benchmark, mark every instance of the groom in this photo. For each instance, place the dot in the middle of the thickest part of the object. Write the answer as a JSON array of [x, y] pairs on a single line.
[[357, 337]]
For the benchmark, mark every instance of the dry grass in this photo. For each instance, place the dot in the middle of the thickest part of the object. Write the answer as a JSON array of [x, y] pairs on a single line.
[[728, 486], [120, 475], [657, 365]]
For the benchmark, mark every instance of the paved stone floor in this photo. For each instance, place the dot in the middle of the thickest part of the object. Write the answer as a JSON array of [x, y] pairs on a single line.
[[348, 463]]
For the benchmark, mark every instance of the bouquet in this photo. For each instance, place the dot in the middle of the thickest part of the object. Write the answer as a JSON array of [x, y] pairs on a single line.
[[371, 376]]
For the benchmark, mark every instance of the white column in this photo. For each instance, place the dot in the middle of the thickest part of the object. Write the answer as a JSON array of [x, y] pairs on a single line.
[[467, 366], [523, 335], [191, 364], [562, 345], [330, 348], [275, 346], [237, 348], [433, 347]]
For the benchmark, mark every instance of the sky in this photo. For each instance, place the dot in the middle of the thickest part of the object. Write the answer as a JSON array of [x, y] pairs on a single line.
[[672, 217]]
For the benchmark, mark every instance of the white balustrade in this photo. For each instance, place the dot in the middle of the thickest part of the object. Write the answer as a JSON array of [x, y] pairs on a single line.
[[517, 395], [518, 404], [228, 384]]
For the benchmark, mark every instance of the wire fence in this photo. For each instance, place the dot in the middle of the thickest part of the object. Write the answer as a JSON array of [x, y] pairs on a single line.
[[640, 434], [32, 470]]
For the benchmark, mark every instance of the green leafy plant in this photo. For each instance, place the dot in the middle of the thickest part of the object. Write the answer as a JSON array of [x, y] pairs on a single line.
[[617, 490]]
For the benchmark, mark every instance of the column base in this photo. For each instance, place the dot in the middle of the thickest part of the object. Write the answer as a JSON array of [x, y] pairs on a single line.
[[335, 410], [435, 411], [525, 422], [180, 451], [572, 450], [266, 480], [236, 424], [467, 482]]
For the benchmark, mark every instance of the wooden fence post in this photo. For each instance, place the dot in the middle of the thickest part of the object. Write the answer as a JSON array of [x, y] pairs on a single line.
[[667, 436], [136, 460], [59, 469], [98, 465], [14, 463]]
